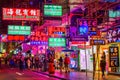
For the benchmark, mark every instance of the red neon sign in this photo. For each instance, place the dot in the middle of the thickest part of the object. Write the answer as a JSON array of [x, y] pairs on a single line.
[[56, 31], [21, 14], [16, 38]]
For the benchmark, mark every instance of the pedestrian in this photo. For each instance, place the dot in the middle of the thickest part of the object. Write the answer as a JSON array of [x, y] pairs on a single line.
[[28, 63], [21, 64], [67, 62], [45, 64], [103, 65], [51, 65], [55, 63], [61, 63], [11, 63], [37, 62]]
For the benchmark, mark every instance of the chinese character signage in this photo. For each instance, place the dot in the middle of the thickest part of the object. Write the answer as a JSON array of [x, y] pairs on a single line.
[[57, 42], [21, 14], [19, 30], [52, 10], [114, 56], [16, 38], [56, 31], [39, 36], [114, 13]]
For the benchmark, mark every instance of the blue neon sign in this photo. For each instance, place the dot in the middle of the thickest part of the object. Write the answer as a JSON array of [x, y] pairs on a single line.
[[110, 0], [83, 30]]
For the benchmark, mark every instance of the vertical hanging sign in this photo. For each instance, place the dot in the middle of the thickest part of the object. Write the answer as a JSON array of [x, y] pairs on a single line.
[[114, 58]]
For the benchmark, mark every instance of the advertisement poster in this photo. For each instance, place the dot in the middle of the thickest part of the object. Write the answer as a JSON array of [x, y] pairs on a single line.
[[114, 56]]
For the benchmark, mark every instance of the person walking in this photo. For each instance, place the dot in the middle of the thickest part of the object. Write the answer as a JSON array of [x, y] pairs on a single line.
[[28, 63], [61, 63], [67, 62], [37, 62], [45, 64], [21, 64], [103, 65], [51, 69]]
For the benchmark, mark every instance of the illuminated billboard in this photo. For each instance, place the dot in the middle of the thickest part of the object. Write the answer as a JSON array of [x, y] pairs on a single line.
[[52, 10], [16, 38], [56, 31], [114, 13], [57, 42], [19, 30], [21, 14]]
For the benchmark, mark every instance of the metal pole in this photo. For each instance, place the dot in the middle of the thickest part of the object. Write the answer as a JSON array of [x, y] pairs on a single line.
[[93, 62], [85, 59]]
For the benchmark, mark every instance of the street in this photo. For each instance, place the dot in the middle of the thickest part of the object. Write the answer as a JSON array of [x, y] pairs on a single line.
[[15, 74]]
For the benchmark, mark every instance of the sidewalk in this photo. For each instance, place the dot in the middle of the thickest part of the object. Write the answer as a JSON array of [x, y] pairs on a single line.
[[79, 76], [69, 76]]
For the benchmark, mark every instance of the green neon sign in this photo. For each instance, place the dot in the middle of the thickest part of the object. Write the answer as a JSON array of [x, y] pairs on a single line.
[[114, 14], [57, 42], [52, 10], [19, 30]]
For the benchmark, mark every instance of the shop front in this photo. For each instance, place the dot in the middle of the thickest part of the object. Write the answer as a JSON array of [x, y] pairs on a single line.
[[86, 59], [112, 56]]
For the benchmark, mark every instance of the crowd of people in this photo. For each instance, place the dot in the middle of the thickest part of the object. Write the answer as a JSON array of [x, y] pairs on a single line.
[[44, 63]]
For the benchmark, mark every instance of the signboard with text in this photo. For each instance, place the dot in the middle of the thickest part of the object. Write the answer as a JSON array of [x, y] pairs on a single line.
[[39, 36], [52, 10], [19, 30], [92, 25], [109, 0], [16, 38], [56, 31], [21, 14], [79, 32], [114, 13], [114, 56], [113, 34], [97, 42], [57, 42]]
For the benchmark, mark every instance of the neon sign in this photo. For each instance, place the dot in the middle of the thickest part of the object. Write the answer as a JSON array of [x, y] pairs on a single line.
[[114, 14], [38, 43], [113, 35], [97, 42], [110, 0], [21, 14], [38, 36], [57, 42], [83, 30], [56, 31], [87, 26], [16, 38], [52, 10], [19, 30]]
